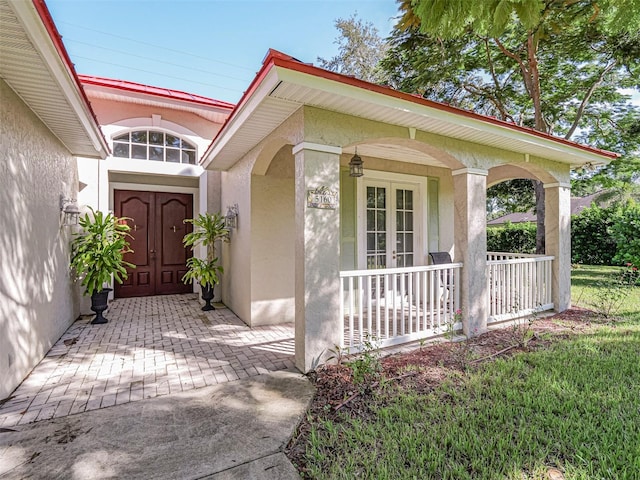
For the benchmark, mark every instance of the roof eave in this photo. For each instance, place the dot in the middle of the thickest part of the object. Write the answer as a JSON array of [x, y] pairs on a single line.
[[40, 29], [278, 67]]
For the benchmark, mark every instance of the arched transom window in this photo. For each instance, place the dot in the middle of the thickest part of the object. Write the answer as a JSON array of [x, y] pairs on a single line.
[[154, 145]]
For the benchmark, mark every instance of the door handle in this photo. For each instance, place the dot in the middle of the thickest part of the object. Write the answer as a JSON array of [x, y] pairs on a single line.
[[173, 228], [153, 253]]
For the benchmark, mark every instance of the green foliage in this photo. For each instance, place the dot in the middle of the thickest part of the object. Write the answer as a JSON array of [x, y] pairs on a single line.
[[366, 367], [512, 237], [607, 236], [360, 50], [591, 242], [613, 290], [97, 252], [206, 273], [626, 233], [207, 230], [572, 405], [510, 196]]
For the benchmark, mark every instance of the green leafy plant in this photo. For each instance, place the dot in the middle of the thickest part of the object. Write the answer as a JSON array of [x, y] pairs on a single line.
[[614, 289], [207, 229], [626, 233], [512, 237], [366, 368], [97, 252]]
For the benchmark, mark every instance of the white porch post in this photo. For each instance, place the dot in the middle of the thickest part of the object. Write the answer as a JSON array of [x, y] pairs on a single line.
[[557, 226], [470, 225], [318, 326]]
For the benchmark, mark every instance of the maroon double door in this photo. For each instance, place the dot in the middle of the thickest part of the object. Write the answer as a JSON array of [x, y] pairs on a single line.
[[157, 229]]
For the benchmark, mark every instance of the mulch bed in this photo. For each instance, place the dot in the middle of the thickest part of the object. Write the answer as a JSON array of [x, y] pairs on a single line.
[[424, 369]]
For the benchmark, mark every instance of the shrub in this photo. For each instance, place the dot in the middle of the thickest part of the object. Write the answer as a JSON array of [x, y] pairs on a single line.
[[625, 231], [591, 242], [512, 237]]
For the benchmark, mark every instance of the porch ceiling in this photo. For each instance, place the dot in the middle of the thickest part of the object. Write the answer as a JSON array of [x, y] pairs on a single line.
[[285, 84], [34, 64]]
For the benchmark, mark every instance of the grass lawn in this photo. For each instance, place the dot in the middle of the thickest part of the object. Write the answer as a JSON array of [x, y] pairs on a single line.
[[570, 410]]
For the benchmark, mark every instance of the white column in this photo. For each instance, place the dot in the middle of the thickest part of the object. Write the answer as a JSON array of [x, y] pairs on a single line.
[[557, 225], [470, 226], [318, 326]]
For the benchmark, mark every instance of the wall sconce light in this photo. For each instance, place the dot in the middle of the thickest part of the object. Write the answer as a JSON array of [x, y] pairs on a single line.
[[355, 165], [231, 218], [70, 210]]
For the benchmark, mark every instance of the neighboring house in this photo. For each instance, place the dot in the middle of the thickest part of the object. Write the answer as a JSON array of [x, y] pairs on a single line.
[[152, 176], [45, 121], [342, 256], [577, 205]]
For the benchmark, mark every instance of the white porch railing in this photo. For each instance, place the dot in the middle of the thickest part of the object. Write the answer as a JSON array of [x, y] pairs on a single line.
[[519, 285], [398, 305]]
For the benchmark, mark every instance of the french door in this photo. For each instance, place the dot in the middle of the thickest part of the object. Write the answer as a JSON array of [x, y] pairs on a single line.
[[157, 229], [392, 211]]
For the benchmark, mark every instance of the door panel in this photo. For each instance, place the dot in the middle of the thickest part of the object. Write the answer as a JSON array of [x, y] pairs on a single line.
[[138, 207], [171, 210], [157, 229]]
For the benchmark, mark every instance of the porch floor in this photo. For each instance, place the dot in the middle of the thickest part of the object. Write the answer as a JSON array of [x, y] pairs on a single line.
[[152, 346]]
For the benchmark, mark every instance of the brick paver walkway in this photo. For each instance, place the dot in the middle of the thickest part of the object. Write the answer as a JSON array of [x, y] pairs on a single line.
[[151, 346]]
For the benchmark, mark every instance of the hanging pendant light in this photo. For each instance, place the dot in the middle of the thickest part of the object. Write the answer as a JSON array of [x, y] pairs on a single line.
[[356, 165]]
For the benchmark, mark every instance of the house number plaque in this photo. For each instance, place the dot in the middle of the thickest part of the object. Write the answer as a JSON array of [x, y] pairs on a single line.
[[322, 197]]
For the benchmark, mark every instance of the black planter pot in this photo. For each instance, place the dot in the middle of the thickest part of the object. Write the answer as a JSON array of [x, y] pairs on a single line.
[[207, 296], [99, 303]]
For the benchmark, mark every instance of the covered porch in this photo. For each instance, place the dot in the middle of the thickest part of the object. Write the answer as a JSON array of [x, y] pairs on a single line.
[[346, 257]]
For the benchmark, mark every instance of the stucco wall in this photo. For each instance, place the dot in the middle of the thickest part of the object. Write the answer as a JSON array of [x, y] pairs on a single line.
[[38, 300]]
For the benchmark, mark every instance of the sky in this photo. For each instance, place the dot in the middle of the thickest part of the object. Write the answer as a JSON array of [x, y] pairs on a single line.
[[207, 47]]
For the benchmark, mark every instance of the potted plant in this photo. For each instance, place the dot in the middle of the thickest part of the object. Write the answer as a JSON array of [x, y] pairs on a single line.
[[207, 229], [97, 253]]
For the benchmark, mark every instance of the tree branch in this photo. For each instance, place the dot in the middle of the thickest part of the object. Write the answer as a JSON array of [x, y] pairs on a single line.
[[587, 97]]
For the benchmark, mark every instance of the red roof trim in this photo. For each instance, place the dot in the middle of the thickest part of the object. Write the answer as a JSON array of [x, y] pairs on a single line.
[[276, 58], [56, 38], [127, 86]]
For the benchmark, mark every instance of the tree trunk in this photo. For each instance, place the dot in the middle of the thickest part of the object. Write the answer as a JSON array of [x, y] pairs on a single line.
[[540, 214]]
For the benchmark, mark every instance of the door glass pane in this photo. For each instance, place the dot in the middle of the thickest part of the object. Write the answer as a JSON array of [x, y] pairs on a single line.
[[382, 197], [371, 220], [371, 197], [376, 227], [404, 228]]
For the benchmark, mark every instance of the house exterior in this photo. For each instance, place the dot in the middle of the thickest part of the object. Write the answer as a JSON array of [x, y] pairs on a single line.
[[152, 176], [357, 264], [344, 257], [45, 122]]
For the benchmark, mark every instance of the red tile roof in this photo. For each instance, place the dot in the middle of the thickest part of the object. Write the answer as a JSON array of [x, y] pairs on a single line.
[[279, 59], [127, 86]]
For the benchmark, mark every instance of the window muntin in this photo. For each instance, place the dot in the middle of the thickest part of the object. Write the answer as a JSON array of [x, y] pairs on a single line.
[[154, 145]]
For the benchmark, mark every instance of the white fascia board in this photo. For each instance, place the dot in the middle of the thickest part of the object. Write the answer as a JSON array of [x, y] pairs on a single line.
[[43, 44], [239, 118], [578, 156]]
